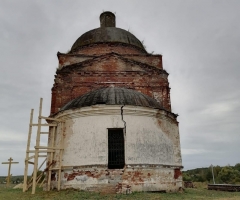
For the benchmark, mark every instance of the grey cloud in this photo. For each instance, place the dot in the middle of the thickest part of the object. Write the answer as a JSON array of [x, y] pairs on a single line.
[[199, 41]]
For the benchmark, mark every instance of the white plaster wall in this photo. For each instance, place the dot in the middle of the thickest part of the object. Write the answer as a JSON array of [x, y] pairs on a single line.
[[148, 140], [86, 141], [146, 143]]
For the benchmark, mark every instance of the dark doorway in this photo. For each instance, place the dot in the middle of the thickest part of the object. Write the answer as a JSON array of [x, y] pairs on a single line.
[[115, 149]]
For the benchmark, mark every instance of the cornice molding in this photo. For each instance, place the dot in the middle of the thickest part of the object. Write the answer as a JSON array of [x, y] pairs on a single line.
[[101, 110]]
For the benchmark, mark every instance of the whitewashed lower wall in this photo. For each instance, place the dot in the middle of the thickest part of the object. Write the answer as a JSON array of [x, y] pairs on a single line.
[[151, 139]]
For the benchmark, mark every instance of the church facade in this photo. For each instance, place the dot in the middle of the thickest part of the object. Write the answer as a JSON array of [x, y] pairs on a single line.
[[119, 133]]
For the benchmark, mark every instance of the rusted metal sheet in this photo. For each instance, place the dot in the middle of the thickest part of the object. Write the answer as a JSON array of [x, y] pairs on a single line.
[[107, 34], [112, 96], [224, 187]]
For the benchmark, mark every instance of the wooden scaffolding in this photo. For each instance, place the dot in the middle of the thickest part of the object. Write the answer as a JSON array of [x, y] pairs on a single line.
[[48, 152]]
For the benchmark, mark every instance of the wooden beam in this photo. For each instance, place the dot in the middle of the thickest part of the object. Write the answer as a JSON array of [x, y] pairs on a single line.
[[60, 155], [27, 152], [44, 124], [42, 182], [41, 151], [46, 147], [30, 157], [52, 119], [37, 150], [44, 132], [42, 164], [52, 142]]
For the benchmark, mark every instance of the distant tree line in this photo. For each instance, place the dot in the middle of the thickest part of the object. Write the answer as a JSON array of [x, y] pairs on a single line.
[[228, 174]]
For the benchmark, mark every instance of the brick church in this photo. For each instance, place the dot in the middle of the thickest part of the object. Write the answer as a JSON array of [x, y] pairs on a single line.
[[119, 133]]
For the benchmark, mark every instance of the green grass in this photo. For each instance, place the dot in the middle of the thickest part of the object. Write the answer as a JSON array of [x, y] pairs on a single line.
[[188, 194]]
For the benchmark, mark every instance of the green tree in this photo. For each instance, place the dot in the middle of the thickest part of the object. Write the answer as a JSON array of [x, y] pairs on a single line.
[[209, 175], [237, 166], [200, 179], [216, 170], [186, 177], [229, 174]]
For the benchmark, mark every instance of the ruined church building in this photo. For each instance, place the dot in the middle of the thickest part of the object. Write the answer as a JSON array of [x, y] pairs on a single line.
[[119, 133]]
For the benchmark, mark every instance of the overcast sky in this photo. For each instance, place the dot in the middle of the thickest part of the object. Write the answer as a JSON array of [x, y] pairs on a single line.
[[200, 44]]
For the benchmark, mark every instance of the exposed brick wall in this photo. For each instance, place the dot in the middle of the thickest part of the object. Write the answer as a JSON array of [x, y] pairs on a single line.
[[104, 65], [177, 173], [103, 48], [134, 178], [70, 59]]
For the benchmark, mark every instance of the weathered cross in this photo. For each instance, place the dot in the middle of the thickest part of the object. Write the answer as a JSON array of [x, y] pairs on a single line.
[[9, 168]]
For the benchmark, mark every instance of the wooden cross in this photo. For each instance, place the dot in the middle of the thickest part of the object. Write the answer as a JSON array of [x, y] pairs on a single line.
[[9, 168]]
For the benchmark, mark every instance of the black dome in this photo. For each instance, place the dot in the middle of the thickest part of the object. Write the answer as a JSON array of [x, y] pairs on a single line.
[[107, 34], [112, 96]]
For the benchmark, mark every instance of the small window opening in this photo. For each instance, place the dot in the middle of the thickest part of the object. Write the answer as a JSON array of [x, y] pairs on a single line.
[[116, 159], [100, 102]]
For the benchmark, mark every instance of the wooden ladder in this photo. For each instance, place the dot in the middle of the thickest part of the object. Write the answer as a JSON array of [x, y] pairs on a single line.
[[43, 151]]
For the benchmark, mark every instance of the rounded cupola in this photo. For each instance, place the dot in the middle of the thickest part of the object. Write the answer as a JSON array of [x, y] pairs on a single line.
[[112, 96], [107, 33]]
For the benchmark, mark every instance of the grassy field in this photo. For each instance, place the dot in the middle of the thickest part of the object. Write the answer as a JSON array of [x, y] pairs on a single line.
[[189, 194]]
